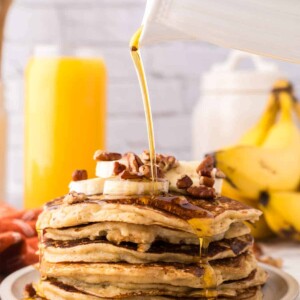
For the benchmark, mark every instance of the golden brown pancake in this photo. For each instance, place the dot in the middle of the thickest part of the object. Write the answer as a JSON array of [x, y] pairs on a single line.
[[190, 275], [101, 250], [117, 232], [213, 217]]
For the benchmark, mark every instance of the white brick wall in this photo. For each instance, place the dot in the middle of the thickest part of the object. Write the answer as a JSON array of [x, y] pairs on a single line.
[[173, 71]]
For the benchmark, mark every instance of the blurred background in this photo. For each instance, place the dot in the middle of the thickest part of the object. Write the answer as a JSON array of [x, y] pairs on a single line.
[[174, 71]]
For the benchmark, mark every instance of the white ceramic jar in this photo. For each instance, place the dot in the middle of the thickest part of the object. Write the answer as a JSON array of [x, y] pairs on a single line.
[[231, 101]]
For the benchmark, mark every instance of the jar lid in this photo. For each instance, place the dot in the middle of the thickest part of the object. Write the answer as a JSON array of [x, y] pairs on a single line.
[[229, 77]]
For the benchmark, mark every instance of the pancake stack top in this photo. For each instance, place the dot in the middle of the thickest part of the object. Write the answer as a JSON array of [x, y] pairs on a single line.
[[112, 238]]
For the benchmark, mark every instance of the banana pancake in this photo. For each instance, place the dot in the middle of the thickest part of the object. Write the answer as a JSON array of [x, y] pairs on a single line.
[[101, 250], [117, 232], [228, 290], [213, 217], [190, 275], [60, 291]]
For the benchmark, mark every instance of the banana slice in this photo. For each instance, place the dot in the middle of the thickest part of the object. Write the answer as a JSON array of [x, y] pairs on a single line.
[[105, 169], [189, 168], [89, 186], [218, 185], [134, 187]]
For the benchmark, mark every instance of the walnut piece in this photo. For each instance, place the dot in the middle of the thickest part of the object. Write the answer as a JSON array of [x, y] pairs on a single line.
[[74, 197], [101, 155], [118, 168], [79, 175], [206, 166], [184, 182], [202, 192]]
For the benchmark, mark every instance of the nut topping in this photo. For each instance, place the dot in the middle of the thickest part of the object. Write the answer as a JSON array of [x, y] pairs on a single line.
[[128, 175], [118, 168], [184, 182], [101, 155], [165, 163], [74, 197], [79, 175], [134, 162], [145, 170], [207, 181], [220, 174], [29, 290], [202, 191], [206, 166]]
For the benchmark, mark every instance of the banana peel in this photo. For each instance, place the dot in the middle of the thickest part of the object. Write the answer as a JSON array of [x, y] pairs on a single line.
[[260, 230], [273, 166], [263, 169], [281, 210]]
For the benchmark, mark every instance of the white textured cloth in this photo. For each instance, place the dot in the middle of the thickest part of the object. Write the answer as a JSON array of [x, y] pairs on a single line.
[[268, 27]]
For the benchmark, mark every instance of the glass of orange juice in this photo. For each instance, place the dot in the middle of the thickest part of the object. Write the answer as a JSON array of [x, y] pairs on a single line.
[[65, 112]]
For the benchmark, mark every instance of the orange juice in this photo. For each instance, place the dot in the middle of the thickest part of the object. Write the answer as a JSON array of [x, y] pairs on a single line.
[[65, 115]]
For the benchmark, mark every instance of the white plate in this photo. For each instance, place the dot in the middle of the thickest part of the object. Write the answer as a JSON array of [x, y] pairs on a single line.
[[280, 286]]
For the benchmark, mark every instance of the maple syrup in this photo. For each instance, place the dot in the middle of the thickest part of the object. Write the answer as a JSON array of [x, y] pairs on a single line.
[[138, 63], [210, 276]]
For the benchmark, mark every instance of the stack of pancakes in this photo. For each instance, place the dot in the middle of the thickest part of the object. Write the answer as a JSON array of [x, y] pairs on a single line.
[[169, 246]]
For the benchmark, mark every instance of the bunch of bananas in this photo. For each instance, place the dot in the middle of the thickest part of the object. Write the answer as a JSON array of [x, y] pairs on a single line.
[[263, 169]]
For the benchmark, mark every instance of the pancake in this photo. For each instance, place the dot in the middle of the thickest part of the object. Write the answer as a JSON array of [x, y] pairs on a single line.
[[60, 291], [101, 250], [117, 290], [193, 275], [213, 217], [117, 232]]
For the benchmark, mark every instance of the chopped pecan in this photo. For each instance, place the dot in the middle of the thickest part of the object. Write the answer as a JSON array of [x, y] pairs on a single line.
[[74, 197], [207, 181], [184, 182], [79, 175], [219, 174], [206, 166], [164, 162], [133, 161], [118, 168], [101, 155], [145, 170], [275, 262], [145, 156], [29, 291], [202, 191], [257, 250], [128, 175]]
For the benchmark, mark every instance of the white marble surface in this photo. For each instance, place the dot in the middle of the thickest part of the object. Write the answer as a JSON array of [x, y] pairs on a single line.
[[289, 252]]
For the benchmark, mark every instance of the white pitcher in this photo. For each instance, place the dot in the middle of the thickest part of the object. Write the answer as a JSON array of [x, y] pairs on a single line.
[[265, 27]]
